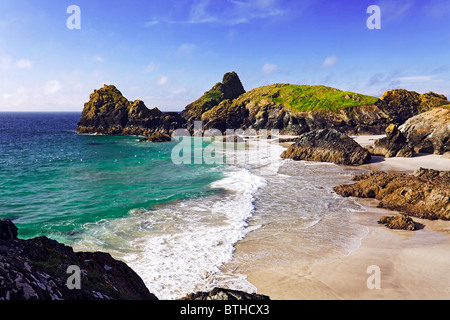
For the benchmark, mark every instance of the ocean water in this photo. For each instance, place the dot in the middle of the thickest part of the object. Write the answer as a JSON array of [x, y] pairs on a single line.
[[175, 225]]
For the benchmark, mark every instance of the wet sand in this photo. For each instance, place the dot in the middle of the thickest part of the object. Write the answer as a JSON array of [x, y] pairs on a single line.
[[411, 264]]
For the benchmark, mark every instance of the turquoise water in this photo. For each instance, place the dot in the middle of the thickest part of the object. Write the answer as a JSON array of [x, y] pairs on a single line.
[[54, 181]]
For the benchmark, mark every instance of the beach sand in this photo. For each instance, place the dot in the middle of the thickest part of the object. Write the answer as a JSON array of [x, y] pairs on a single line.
[[411, 264]]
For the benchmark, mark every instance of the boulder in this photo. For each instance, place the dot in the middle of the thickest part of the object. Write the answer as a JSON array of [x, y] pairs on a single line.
[[429, 132], [327, 145], [394, 144], [398, 222], [159, 137], [37, 269], [225, 294], [423, 194]]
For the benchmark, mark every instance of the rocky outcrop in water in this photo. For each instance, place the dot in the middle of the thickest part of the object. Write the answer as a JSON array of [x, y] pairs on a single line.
[[327, 145], [37, 269], [109, 112], [429, 132], [394, 144], [423, 194]]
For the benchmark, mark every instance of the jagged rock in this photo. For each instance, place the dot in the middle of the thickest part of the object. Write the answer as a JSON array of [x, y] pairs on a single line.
[[327, 145], [8, 230], [423, 194], [109, 112], [429, 132], [36, 269], [230, 88], [225, 294], [398, 222], [394, 144]]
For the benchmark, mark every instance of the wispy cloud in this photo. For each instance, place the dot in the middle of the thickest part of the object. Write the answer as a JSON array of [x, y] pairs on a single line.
[[24, 64], [163, 80], [414, 78], [151, 67], [269, 68], [228, 13], [330, 61], [52, 87], [97, 59], [186, 49]]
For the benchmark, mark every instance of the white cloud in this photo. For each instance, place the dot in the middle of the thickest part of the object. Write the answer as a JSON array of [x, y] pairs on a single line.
[[414, 78], [97, 59], [52, 87], [151, 23], [330, 61], [186, 48], [24, 64], [5, 63], [151, 67], [269, 68], [163, 80]]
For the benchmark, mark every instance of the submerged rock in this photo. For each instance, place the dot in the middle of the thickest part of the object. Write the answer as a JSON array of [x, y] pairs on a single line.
[[327, 145], [423, 194]]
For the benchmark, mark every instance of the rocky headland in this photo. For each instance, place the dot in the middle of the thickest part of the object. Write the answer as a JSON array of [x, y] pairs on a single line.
[[291, 109]]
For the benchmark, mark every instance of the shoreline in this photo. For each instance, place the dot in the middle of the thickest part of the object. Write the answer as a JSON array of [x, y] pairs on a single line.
[[412, 264]]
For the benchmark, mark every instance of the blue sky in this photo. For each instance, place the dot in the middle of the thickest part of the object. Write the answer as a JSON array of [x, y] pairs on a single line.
[[168, 53]]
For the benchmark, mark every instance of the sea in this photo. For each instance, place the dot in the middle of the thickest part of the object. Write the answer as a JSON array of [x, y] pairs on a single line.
[[175, 224]]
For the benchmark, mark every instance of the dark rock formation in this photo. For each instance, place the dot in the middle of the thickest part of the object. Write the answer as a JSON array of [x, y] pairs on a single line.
[[394, 144], [429, 132], [398, 222], [225, 294], [424, 194], [109, 112], [327, 145], [36, 269], [229, 89]]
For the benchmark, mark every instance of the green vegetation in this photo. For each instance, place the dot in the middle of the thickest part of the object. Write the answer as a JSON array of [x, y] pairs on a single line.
[[307, 98]]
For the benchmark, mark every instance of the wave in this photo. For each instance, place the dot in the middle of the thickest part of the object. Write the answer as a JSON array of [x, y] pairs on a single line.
[[178, 248]]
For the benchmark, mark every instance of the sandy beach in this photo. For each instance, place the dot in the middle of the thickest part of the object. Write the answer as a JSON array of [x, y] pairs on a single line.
[[410, 264]]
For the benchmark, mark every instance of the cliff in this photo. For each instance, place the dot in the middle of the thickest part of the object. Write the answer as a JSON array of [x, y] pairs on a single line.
[[292, 109]]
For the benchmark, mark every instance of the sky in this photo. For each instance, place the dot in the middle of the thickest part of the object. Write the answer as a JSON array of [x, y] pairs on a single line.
[[168, 53]]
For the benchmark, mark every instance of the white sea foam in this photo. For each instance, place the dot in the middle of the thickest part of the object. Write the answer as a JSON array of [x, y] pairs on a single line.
[[179, 248]]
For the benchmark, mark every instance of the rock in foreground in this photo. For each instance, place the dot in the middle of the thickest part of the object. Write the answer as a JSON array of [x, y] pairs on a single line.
[[394, 144], [429, 132], [327, 145], [37, 269], [225, 294], [398, 222], [424, 194]]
